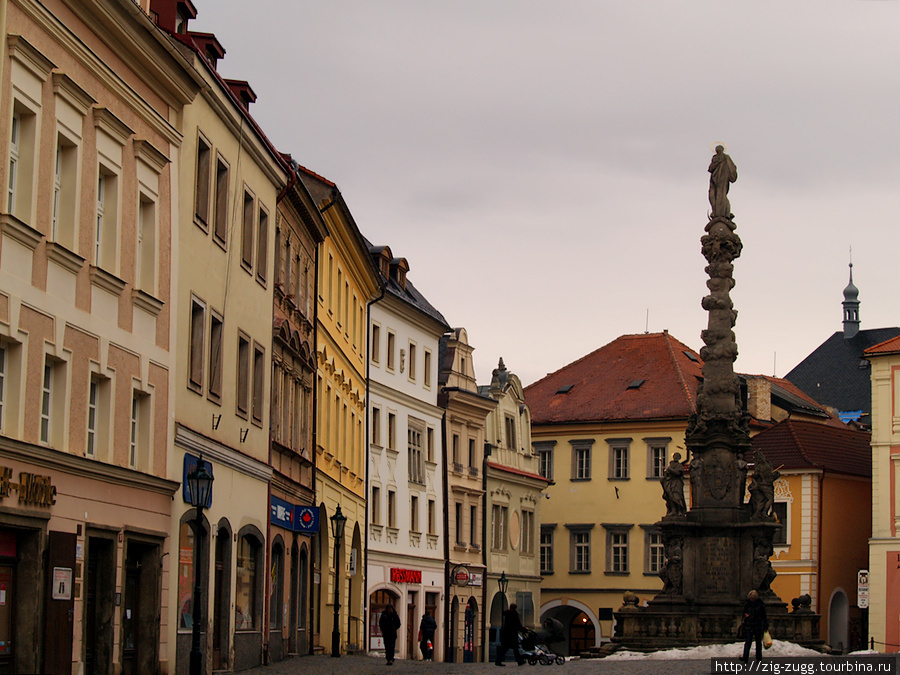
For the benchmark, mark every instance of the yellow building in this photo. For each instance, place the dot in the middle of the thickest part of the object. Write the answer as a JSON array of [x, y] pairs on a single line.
[[604, 429], [224, 268], [89, 166], [348, 280], [884, 546]]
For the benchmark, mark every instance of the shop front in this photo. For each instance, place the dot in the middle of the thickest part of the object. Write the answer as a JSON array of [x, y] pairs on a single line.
[[81, 562]]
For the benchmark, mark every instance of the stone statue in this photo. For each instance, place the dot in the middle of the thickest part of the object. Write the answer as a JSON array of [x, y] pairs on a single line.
[[762, 572], [722, 172], [673, 487], [762, 489], [672, 571]]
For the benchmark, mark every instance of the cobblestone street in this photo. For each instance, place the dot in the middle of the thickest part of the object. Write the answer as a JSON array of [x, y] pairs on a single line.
[[367, 665]]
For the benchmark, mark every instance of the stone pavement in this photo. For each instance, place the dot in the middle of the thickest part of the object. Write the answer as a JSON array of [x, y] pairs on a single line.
[[369, 665]]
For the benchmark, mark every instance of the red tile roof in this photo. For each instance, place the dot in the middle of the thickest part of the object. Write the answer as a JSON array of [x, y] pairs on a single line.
[[886, 347], [518, 472], [801, 444], [662, 377]]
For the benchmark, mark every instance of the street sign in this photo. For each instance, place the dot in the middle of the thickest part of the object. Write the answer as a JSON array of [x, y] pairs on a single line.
[[862, 589]]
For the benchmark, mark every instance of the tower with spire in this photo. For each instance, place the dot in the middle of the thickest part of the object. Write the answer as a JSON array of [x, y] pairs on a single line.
[[851, 308]]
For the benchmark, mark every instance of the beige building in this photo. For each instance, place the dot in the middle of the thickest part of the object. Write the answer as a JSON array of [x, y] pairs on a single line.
[[348, 280], [224, 269], [512, 507], [299, 230], [89, 169], [464, 425], [884, 545]]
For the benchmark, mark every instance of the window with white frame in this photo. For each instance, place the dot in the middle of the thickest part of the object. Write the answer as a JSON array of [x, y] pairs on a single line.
[[527, 532], [243, 375], [22, 162], [376, 426], [392, 431], [220, 215], [65, 192], [392, 508], [510, 422], [656, 552], [53, 385], [259, 376], [499, 526], [432, 517], [544, 451], [145, 261], [262, 245], [473, 525], [93, 417], [202, 182], [581, 459], [580, 548], [391, 348], [781, 511], [619, 458], [376, 505], [426, 374], [429, 444], [617, 548], [197, 336], [411, 374], [106, 218], [376, 344], [657, 456], [546, 553], [247, 230], [415, 436], [414, 513], [216, 346]]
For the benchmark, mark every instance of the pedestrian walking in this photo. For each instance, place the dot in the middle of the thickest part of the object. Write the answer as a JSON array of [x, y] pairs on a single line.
[[389, 623], [753, 625], [427, 629], [509, 636]]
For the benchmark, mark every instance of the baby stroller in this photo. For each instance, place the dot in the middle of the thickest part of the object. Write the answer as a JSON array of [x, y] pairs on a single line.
[[536, 651]]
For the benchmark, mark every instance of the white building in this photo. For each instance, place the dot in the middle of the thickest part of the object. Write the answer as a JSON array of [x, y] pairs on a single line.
[[405, 565]]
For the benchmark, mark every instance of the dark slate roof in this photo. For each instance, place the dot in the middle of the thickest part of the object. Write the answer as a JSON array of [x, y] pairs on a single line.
[[634, 377], [836, 374], [801, 444]]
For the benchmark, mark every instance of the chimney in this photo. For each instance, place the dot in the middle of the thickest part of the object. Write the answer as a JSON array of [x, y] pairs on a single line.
[[759, 398], [209, 46], [173, 15], [241, 89]]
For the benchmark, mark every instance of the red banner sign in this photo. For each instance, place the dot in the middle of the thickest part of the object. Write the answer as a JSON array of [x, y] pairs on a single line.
[[401, 576]]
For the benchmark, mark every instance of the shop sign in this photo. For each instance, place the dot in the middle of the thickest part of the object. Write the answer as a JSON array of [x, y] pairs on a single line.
[[402, 576], [475, 579], [32, 488], [294, 517], [862, 589], [190, 463], [460, 575], [62, 583]]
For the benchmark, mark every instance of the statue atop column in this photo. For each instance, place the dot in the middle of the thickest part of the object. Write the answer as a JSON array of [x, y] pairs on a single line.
[[722, 172]]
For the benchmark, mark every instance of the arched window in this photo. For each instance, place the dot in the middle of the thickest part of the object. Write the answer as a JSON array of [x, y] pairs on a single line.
[[246, 607], [276, 589], [186, 575]]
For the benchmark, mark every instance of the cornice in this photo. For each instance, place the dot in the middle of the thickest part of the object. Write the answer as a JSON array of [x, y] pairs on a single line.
[[24, 52], [65, 258], [190, 440], [146, 302], [85, 468], [66, 88], [97, 67], [107, 281], [144, 151], [401, 398], [112, 125], [18, 230]]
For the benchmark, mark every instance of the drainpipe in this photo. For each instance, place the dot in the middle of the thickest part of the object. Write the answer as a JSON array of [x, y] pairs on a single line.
[[485, 643], [311, 568], [447, 566]]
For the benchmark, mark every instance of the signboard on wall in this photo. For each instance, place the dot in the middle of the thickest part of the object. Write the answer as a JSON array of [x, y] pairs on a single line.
[[862, 589], [294, 517], [402, 576]]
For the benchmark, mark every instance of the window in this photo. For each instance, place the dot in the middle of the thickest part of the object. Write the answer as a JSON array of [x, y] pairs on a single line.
[[619, 458], [65, 192], [201, 186], [391, 339], [510, 432], [473, 526], [426, 374], [259, 376], [376, 426], [527, 532], [456, 458], [47, 402], [376, 505], [376, 344], [581, 459], [581, 551], [473, 461], [392, 431], [780, 511], [245, 586], [414, 513], [412, 361], [14, 141], [135, 430], [4, 366], [22, 166], [92, 420], [243, 375], [459, 524], [429, 435], [499, 515], [216, 327], [197, 337], [247, 231], [617, 548], [392, 508], [262, 246], [105, 232], [544, 451], [546, 556], [432, 517], [145, 260], [415, 432], [656, 552], [220, 217], [657, 456]]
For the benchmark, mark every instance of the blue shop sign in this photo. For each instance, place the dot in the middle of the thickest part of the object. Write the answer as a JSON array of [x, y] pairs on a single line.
[[281, 513], [190, 463], [306, 519], [294, 517]]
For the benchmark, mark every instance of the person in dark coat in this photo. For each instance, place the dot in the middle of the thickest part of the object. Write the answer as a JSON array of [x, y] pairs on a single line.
[[754, 624], [389, 623], [427, 629], [509, 636]]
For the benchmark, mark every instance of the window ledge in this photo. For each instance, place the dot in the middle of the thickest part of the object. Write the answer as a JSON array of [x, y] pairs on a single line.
[[616, 574], [18, 230], [65, 258], [618, 480], [580, 480], [579, 571], [107, 281], [146, 302]]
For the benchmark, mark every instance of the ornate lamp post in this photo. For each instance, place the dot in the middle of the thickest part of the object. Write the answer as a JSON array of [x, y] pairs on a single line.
[[338, 521], [200, 487]]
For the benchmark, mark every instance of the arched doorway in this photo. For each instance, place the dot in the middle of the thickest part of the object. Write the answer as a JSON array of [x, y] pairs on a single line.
[[498, 605], [355, 624], [839, 621], [581, 634], [378, 600], [470, 649]]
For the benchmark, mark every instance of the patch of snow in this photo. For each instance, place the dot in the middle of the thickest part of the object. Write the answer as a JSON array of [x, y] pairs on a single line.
[[732, 650]]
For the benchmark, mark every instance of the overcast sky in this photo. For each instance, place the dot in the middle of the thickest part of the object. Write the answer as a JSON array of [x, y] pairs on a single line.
[[543, 165]]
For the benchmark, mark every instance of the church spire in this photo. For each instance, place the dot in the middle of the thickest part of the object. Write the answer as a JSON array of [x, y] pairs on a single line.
[[851, 307]]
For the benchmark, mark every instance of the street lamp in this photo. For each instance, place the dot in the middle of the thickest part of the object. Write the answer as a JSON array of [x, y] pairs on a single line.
[[200, 490], [503, 582], [338, 521]]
